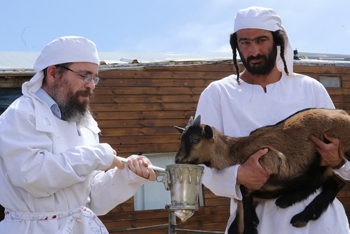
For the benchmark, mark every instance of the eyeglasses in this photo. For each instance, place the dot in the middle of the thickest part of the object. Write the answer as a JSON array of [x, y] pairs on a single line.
[[86, 78]]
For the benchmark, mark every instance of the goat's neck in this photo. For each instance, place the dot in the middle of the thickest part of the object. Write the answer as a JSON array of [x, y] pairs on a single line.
[[224, 151]]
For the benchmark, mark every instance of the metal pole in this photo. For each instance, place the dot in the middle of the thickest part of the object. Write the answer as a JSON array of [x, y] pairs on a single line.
[[172, 220]]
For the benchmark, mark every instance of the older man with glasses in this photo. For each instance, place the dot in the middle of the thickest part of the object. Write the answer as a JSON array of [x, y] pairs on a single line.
[[55, 176]]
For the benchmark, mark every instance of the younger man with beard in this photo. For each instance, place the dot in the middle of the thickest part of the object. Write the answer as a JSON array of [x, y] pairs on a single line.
[[266, 92], [55, 176]]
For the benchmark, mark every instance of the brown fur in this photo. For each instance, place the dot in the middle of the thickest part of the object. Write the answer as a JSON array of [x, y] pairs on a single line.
[[292, 158]]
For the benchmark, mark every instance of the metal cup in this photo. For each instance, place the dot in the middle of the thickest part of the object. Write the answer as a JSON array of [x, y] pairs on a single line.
[[184, 182]]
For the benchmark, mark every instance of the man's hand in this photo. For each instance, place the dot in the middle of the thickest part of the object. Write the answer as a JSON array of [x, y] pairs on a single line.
[[140, 167], [116, 162], [251, 174], [329, 152]]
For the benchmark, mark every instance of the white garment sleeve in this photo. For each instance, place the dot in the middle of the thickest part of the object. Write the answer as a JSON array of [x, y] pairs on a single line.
[[112, 188], [322, 98], [222, 182], [27, 153], [344, 171]]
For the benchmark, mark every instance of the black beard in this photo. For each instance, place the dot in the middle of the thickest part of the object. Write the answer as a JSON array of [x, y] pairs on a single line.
[[264, 68]]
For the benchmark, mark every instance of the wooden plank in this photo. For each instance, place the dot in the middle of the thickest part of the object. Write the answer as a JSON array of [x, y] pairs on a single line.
[[142, 123], [150, 82], [178, 75], [135, 140], [345, 77], [344, 106], [340, 98], [338, 91], [104, 99], [216, 66], [143, 114], [321, 69], [138, 131], [12, 81], [144, 107], [127, 150], [219, 201], [148, 90]]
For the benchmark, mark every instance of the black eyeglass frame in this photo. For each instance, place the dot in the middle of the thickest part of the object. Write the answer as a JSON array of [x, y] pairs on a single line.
[[86, 78]]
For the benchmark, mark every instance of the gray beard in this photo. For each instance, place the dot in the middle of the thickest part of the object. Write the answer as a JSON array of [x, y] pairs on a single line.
[[72, 110], [81, 118]]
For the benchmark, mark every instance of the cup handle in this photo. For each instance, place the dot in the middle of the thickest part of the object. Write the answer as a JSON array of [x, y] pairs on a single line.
[[165, 178]]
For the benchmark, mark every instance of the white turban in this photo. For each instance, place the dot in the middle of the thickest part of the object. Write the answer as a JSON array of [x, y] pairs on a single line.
[[67, 49], [267, 19]]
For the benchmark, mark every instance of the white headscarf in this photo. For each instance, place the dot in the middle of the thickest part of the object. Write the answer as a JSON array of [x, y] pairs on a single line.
[[67, 49], [267, 19]]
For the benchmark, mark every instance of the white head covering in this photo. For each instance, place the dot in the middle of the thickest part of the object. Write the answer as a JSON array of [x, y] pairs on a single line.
[[267, 19], [67, 49]]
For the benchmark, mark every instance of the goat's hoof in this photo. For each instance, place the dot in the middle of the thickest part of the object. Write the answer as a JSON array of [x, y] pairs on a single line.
[[299, 225], [283, 203], [298, 221]]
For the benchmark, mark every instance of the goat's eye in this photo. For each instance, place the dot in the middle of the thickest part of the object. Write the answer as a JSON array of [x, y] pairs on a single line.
[[195, 141]]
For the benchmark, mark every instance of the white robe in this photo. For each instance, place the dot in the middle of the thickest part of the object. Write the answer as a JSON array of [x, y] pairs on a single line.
[[52, 173], [236, 110]]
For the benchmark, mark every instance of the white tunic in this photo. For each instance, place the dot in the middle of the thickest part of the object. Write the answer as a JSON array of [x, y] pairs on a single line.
[[51, 173], [236, 110]]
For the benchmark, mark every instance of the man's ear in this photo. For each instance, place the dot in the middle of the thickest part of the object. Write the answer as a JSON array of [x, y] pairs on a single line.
[[51, 74]]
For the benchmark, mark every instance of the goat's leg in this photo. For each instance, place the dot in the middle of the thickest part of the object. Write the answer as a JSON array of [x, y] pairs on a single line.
[[237, 226], [250, 219], [290, 198], [314, 210]]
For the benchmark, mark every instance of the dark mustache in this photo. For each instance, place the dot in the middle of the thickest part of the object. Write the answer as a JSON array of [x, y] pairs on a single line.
[[259, 56], [87, 92]]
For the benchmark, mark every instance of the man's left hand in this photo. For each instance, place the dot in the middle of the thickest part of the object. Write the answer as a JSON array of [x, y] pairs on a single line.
[[329, 151]]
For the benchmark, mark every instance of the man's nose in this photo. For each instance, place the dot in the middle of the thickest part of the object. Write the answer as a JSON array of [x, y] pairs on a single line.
[[91, 85], [254, 50]]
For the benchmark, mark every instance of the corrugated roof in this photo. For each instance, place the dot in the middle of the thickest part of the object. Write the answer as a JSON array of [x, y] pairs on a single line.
[[22, 62]]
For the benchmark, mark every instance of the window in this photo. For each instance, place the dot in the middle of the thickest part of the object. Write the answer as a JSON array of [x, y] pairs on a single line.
[[153, 195], [331, 81], [7, 96]]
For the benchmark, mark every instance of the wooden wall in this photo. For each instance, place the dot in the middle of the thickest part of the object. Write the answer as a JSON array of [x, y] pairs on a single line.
[[137, 109]]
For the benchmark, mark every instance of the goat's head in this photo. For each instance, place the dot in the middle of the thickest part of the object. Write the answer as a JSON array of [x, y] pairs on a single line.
[[195, 145]]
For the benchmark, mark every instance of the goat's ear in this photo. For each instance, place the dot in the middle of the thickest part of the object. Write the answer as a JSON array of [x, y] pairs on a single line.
[[179, 129], [208, 132], [190, 122], [197, 121]]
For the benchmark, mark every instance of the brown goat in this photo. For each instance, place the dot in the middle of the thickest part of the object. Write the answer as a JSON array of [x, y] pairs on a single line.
[[292, 160]]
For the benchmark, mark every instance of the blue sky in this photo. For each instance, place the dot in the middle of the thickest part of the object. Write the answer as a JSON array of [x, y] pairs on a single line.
[[320, 26]]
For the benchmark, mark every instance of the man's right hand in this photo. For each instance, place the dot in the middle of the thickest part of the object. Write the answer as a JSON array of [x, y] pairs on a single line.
[[251, 174], [116, 162]]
